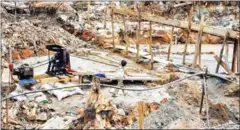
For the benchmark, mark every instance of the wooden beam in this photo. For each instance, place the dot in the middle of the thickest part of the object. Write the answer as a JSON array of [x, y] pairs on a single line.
[[188, 34], [221, 53], [177, 23], [224, 65]]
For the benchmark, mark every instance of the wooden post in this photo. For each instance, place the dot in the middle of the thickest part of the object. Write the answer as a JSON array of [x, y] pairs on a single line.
[[170, 44], [150, 45], [221, 53], [88, 12], [188, 34], [226, 53], [112, 27], [234, 61], [10, 80], [105, 17], [141, 114], [238, 57], [15, 10], [125, 35], [197, 46], [138, 31]]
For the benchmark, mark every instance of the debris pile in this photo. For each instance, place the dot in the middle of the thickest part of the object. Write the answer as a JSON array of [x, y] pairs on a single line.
[[25, 114]]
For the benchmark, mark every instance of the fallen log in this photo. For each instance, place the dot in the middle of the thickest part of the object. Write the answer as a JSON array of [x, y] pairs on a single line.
[[177, 23], [224, 65]]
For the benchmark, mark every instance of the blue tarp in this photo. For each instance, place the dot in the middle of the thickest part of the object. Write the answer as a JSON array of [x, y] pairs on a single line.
[[27, 82], [99, 75]]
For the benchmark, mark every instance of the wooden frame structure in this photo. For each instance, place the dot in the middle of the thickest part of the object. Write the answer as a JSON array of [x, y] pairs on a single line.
[[234, 35]]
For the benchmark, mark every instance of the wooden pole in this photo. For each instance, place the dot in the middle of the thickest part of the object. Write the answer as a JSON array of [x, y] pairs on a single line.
[[188, 34], [226, 53], [234, 59], [112, 28], [224, 65], [88, 12], [8, 89], [221, 52], [138, 31], [125, 35], [170, 44], [150, 45], [15, 10], [141, 114], [197, 46], [105, 17], [239, 57]]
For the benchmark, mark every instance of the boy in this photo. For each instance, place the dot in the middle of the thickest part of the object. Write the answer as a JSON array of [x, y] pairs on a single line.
[[120, 75]]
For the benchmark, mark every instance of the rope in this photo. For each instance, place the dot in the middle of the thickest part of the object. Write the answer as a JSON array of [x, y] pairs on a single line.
[[127, 89]]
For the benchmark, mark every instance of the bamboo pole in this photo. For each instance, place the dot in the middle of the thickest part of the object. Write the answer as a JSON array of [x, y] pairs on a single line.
[[198, 44], [141, 114], [224, 65], [112, 28], [170, 45], [138, 31], [221, 53], [188, 34]]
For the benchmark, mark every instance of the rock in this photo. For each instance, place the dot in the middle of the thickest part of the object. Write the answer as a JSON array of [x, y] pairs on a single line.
[[42, 116], [31, 117], [121, 112]]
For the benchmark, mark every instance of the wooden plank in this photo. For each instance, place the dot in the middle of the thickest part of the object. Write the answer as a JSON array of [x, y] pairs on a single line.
[[221, 53], [188, 34], [224, 65], [180, 24], [41, 76], [54, 79], [141, 114]]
